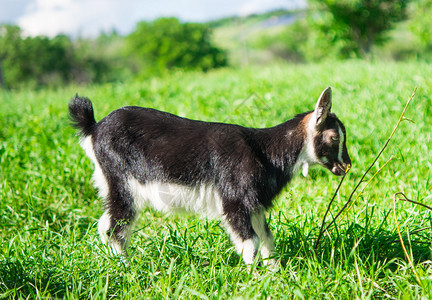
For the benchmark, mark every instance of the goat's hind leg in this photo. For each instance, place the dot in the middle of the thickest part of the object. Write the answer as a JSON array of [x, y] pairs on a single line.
[[238, 223], [261, 228], [115, 225]]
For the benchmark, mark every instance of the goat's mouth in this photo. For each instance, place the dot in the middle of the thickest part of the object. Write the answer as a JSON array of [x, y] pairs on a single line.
[[340, 169]]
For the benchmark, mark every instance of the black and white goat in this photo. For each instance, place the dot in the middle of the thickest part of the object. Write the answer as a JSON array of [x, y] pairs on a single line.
[[144, 156]]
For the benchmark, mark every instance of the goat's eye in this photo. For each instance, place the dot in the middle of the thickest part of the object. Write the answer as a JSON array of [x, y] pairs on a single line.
[[335, 138]]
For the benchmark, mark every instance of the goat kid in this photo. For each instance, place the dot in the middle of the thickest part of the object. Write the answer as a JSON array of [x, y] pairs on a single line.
[[144, 156]]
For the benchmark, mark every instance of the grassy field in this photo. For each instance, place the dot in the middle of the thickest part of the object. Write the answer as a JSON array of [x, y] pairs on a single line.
[[49, 209]]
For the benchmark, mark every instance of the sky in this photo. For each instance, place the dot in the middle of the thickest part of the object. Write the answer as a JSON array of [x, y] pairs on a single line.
[[89, 18]]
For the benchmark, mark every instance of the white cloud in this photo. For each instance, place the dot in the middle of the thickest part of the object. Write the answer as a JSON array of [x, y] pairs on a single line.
[[86, 17], [90, 17]]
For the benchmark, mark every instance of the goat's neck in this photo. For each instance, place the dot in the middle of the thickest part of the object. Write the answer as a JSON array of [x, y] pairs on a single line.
[[285, 146]]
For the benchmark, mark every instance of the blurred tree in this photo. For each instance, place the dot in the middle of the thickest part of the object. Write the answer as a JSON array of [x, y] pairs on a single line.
[[421, 22], [2, 82], [166, 43], [89, 64], [10, 53], [39, 61], [32, 61], [354, 26]]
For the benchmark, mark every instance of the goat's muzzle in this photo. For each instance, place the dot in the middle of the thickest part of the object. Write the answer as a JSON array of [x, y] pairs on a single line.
[[340, 168]]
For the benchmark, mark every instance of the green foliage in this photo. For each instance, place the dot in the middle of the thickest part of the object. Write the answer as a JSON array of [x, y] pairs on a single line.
[[33, 61], [167, 44], [48, 210], [39, 61], [352, 27], [100, 60], [156, 46], [421, 22]]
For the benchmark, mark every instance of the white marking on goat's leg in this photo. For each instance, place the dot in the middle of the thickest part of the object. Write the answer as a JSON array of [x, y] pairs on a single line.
[[247, 248], [106, 232], [104, 226], [104, 229], [264, 234]]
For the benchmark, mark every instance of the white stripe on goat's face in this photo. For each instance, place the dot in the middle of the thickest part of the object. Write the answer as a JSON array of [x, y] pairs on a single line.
[[341, 143]]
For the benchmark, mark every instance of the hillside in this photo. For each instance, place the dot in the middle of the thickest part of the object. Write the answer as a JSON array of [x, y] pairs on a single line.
[[239, 35]]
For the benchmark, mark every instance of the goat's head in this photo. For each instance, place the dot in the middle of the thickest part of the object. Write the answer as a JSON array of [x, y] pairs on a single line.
[[327, 137]]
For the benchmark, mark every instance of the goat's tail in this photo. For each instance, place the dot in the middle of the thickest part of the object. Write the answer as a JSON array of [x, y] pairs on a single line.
[[81, 115]]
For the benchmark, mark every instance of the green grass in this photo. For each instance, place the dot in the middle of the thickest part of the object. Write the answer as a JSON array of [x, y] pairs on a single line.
[[49, 209]]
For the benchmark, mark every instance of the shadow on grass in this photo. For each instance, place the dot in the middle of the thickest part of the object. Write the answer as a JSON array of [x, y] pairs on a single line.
[[21, 278], [369, 243]]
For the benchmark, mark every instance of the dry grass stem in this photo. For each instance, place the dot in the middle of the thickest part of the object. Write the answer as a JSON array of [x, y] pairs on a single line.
[[401, 239], [367, 183]]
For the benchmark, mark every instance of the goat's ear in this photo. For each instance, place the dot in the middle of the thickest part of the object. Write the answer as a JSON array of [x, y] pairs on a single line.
[[323, 106]]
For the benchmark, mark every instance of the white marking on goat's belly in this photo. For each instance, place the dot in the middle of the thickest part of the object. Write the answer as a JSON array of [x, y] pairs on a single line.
[[202, 199]]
